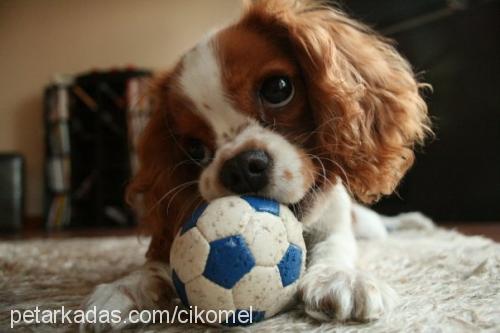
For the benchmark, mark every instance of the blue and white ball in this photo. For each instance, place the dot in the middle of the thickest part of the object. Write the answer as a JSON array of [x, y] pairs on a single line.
[[237, 253]]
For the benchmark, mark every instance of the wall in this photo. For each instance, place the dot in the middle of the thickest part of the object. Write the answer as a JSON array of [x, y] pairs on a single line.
[[41, 38]]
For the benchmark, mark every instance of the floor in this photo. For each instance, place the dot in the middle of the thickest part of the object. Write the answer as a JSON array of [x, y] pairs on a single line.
[[490, 230], [440, 290]]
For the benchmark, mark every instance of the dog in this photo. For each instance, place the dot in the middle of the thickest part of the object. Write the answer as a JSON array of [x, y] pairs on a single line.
[[296, 102]]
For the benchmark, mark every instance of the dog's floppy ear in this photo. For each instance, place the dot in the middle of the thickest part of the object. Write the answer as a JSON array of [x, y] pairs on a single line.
[[363, 94], [164, 187]]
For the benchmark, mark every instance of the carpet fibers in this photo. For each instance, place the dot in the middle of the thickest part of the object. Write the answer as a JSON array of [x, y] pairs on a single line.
[[447, 282]]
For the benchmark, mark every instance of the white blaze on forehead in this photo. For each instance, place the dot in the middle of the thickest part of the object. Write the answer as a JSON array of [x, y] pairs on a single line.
[[201, 81]]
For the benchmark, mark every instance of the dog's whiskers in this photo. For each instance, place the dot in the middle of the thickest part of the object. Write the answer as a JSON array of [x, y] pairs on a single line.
[[188, 161], [197, 200], [175, 190]]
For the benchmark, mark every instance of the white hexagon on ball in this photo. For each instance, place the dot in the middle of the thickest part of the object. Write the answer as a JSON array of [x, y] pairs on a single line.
[[191, 251], [266, 237], [224, 218], [293, 228], [258, 289], [208, 295], [284, 300]]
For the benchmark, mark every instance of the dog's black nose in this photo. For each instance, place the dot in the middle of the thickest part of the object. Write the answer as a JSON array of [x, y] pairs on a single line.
[[246, 172]]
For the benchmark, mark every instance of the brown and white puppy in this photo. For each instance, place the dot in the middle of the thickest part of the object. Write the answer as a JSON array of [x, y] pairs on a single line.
[[296, 102]]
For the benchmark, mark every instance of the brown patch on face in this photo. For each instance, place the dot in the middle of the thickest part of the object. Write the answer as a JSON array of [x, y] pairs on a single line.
[[206, 106], [207, 183], [287, 175], [248, 57]]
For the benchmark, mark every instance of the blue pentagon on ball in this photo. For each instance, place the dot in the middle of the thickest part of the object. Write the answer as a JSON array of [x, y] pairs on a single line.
[[262, 204], [239, 253], [228, 261], [290, 265]]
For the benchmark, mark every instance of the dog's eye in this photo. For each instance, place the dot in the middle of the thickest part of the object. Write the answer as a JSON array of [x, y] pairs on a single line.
[[276, 91], [198, 152]]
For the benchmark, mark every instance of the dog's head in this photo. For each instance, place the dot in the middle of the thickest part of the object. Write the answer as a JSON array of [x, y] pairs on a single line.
[[289, 100]]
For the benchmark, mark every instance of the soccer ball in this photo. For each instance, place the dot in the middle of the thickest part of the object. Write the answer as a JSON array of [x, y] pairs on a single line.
[[239, 253]]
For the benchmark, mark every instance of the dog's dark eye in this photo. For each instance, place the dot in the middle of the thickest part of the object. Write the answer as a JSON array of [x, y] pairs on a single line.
[[198, 152], [276, 91]]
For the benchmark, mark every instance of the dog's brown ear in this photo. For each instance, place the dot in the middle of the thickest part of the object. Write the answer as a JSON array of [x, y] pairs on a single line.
[[364, 95], [162, 190]]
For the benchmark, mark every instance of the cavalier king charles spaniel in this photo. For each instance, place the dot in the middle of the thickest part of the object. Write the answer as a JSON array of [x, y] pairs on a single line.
[[296, 102]]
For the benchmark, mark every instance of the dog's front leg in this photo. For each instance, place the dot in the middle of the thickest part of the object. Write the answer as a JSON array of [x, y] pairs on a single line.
[[149, 287], [333, 287]]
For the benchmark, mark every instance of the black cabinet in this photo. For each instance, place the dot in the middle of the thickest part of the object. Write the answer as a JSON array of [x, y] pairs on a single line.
[[90, 139], [11, 191], [455, 45]]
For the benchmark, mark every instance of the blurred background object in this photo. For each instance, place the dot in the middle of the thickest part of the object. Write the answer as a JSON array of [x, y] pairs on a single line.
[[69, 152], [92, 123], [39, 39], [11, 191], [455, 46]]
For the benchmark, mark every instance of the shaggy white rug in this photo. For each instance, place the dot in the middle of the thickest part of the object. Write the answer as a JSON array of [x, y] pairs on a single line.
[[447, 282]]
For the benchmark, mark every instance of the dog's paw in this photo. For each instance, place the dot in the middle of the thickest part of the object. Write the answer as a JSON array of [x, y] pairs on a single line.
[[106, 299], [110, 304], [332, 293]]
